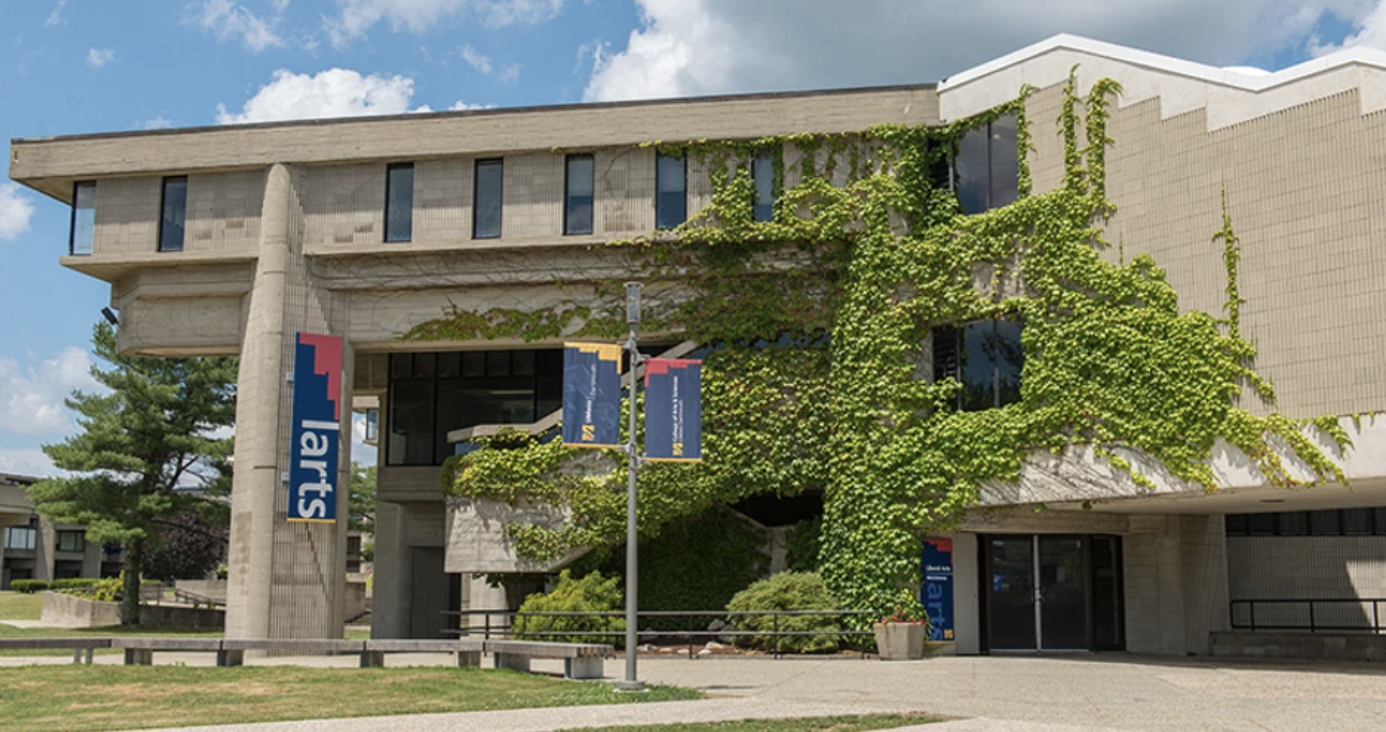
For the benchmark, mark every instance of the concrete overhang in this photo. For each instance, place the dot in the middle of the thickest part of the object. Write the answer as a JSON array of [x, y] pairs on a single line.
[[52, 164]]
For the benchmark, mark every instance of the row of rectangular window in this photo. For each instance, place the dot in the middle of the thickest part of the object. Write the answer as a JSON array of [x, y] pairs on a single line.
[[25, 538], [984, 175], [1333, 522]]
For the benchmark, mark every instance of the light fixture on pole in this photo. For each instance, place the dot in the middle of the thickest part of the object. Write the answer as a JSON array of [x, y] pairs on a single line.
[[631, 683]]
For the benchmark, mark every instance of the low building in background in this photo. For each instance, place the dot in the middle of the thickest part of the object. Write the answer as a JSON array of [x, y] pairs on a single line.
[[34, 548]]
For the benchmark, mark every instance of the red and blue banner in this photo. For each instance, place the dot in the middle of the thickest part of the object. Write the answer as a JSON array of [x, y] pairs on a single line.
[[317, 428], [591, 395], [673, 410], [937, 592]]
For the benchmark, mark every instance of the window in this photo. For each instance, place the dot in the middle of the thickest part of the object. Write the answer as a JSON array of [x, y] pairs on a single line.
[[986, 356], [487, 199], [577, 197], [72, 541], [399, 202], [1333, 522], [372, 425], [175, 213], [986, 171], [671, 191], [432, 394], [763, 175], [83, 218], [21, 538]]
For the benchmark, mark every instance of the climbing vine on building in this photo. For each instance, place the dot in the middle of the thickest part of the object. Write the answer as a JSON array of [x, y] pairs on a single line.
[[817, 328]]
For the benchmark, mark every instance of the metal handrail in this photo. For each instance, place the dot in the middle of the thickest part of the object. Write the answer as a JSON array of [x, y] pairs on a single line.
[[1310, 603], [516, 617]]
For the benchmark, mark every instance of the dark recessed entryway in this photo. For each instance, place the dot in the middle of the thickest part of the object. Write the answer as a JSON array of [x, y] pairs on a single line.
[[1051, 593]]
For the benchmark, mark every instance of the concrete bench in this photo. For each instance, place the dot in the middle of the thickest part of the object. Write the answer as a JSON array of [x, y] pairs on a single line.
[[140, 651], [76, 645], [468, 650], [234, 650], [580, 660]]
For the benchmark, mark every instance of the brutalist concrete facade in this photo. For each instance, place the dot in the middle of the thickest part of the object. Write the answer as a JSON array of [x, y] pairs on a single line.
[[285, 233]]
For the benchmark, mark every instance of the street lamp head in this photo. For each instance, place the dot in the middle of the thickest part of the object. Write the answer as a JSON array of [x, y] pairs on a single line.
[[633, 302]]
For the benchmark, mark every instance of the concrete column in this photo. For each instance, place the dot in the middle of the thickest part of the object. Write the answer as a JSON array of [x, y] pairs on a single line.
[[1176, 583], [967, 618], [45, 546], [390, 600], [1203, 550], [256, 479], [91, 560]]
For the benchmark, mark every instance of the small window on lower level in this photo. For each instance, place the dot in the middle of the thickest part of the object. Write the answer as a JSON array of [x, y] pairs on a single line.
[[72, 541], [763, 175], [175, 214], [83, 218], [577, 199], [986, 357], [399, 202]]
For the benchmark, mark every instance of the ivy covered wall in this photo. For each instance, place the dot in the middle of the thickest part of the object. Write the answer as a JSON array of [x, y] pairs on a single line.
[[817, 327]]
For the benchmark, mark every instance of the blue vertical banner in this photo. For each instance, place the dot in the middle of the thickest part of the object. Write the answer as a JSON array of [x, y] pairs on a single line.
[[937, 592], [317, 428], [673, 410], [591, 395]]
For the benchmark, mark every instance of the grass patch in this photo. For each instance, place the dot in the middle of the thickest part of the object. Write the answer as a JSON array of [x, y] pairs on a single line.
[[94, 698], [17, 606], [807, 724]]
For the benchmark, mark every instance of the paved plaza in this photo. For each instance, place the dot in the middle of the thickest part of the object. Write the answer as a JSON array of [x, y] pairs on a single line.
[[1116, 691]]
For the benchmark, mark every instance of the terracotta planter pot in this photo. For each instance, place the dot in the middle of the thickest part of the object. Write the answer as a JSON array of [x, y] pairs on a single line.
[[901, 641]]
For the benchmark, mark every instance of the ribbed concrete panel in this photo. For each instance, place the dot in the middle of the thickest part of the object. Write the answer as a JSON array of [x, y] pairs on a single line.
[[345, 205], [533, 195], [625, 191], [1042, 111], [224, 211], [1301, 567], [443, 199], [127, 215]]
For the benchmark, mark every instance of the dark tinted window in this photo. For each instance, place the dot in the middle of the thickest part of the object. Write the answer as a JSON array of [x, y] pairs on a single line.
[[671, 191], [399, 202], [411, 423], [577, 204], [175, 213], [763, 174], [986, 357], [986, 171], [1325, 523], [486, 209], [83, 218]]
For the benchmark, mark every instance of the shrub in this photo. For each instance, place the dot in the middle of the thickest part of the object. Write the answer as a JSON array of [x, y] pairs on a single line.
[[592, 593], [29, 586], [804, 544], [221, 572], [787, 591], [100, 590], [73, 583]]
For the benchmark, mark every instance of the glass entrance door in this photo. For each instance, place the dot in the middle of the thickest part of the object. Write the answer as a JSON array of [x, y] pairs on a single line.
[[1042, 593]]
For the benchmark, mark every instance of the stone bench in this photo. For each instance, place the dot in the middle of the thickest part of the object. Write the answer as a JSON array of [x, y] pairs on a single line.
[[140, 651], [76, 645], [468, 650], [580, 660]]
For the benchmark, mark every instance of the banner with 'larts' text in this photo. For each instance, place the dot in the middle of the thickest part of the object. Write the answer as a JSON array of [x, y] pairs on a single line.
[[673, 410], [591, 395], [317, 427]]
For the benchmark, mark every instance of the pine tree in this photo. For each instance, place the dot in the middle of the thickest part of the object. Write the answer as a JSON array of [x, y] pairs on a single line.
[[143, 444]]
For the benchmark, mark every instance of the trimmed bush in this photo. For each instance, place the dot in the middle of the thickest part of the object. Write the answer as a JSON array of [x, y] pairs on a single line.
[[787, 591], [29, 586], [592, 593], [73, 583]]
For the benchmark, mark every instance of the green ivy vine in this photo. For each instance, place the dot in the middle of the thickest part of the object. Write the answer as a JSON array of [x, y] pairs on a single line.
[[817, 326]]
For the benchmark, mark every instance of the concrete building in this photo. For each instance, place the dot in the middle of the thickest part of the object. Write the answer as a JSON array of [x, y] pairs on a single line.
[[230, 240], [34, 548]]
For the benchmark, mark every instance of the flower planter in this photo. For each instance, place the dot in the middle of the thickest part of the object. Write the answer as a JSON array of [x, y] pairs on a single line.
[[901, 641]]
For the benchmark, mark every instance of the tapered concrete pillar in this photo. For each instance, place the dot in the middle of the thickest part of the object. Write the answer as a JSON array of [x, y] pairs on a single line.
[[286, 580]]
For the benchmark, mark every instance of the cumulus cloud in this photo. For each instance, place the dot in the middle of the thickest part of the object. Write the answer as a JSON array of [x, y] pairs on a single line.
[[98, 57], [1369, 29], [28, 461], [31, 400], [331, 93], [15, 212], [227, 19], [355, 18], [688, 47]]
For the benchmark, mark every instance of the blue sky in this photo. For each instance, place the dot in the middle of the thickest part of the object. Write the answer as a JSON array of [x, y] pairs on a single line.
[[74, 66]]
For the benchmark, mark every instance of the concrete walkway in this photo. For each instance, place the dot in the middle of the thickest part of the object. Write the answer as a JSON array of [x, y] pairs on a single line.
[[1114, 691]]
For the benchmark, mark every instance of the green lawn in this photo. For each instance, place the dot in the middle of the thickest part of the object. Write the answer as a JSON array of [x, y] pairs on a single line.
[[808, 724], [92, 698], [17, 606]]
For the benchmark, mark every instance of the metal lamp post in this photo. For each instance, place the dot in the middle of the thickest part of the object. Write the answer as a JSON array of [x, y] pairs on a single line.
[[631, 683]]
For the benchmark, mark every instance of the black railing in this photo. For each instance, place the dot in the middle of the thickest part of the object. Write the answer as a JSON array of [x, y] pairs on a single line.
[[1315, 615], [511, 623]]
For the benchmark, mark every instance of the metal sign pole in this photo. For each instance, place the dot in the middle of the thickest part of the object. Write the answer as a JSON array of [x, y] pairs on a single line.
[[631, 683]]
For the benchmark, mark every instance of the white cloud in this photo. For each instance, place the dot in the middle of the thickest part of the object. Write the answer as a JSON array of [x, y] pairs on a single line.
[[15, 212], [31, 400], [356, 17], [28, 461], [98, 57], [1369, 29], [461, 106], [688, 47], [56, 17], [331, 93], [227, 19], [157, 122], [481, 63]]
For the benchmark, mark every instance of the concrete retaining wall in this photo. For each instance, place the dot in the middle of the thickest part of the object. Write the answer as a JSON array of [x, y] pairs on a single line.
[[1319, 646], [75, 612], [214, 589]]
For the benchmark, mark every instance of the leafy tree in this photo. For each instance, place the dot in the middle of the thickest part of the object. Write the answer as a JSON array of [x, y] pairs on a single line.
[[190, 545], [362, 498], [144, 442]]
